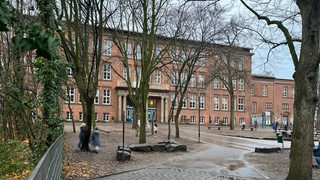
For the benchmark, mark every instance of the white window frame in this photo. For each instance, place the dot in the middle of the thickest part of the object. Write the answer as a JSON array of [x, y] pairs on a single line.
[[224, 103], [106, 98], [71, 94], [241, 84], [265, 90], [241, 104], [202, 59], [69, 71], [173, 102], [96, 99], [80, 116], [192, 119], [202, 101], [68, 116], [193, 81], [201, 80], [216, 83], [138, 51], [157, 76], [106, 116], [128, 49], [225, 120], [106, 72], [184, 102], [216, 103], [201, 119], [107, 47], [174, 78], [183, 119], [241, 64], [216, 120], [96, 116], [192, 102], [285, 91], [254, 107]]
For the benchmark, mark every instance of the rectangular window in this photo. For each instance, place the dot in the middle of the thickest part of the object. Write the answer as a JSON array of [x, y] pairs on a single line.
[[241, 104], [138, 51], [241, 64], [285, 106], [193, 81], [106, 97], [241, 120], [254, 107], [106, 116], [201, 119], [174, 55], [125, 73], [128, 50], [68, 116], [183, 119], [293, 92], [268, 105], [201, 80], [225, 80], [202, 60], [265, 90], [106, 72], [216, 103], [241, 84], [158, 52], [96, 99], [157, 77], [192, 102], [107, 47], [183, 79], [192, 119], [225, 120], [69, 72], [252, 89], [174, 78], [173, 119], [184, 102], [70, 94], [96, 116], [79, 98], [234, 83], [224, 102], [80, 116], [285, 91], [216, 83], [216, 120], [173, 101], [201, 102]]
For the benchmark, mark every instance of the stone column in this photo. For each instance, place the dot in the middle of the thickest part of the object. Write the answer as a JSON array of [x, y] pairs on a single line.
[[166, 114], [162, 110], [119, 106], [125, 107]]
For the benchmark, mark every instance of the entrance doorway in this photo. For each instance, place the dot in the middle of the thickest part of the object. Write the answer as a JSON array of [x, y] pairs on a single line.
[[152, 114]]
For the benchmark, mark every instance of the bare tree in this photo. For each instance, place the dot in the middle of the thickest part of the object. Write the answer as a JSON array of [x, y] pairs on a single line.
[[200, 26], [81, 26], [228, 66], [305, 75], [140, 23]]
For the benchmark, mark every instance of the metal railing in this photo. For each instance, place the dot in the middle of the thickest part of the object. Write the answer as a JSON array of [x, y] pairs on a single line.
[[50, 165]]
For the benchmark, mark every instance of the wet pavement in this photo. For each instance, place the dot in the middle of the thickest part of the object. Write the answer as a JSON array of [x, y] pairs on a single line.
[[222, 160]]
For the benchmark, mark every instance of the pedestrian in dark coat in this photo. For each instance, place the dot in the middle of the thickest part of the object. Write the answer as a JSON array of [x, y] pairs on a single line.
[[81, 134], [95, 140]]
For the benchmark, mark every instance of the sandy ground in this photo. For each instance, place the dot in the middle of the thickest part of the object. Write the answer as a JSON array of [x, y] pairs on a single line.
[[86, 165]]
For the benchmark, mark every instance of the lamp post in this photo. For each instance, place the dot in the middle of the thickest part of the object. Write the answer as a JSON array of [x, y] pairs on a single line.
[[198, 115]]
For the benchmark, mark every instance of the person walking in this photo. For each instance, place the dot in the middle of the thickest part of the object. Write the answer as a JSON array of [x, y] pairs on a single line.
[[155, 128], [81, 134], [95, 140]]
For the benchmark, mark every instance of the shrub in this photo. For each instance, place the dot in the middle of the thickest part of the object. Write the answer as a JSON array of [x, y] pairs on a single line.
[[15, 160]]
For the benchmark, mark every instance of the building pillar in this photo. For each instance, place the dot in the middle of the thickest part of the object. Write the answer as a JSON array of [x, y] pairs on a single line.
[[162, 110], [119, 106], [166, 110], [125, 107]]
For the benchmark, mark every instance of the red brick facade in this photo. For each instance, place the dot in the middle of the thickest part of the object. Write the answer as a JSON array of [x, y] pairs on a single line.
[[272, 100], [112, 95]]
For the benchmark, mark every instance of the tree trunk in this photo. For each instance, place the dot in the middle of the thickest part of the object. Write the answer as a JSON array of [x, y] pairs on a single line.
[[305, 93], [89, 114]]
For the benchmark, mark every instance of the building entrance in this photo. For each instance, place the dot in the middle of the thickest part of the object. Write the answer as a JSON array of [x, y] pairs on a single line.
[[152, 114]]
